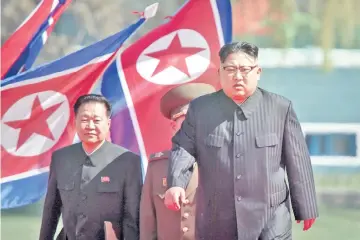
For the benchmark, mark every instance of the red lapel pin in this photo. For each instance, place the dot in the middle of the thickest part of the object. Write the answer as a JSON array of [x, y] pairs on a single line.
[[105, 179]]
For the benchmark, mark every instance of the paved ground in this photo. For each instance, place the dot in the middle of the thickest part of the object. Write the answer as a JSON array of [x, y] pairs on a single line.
[[339, 219]]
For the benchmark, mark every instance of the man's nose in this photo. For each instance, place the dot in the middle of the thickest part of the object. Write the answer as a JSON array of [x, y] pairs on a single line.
[[238, 75], [90, 125]]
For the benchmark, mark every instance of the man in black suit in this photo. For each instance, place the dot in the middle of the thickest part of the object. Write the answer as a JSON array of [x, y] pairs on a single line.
[[93, 181], [245, 141]]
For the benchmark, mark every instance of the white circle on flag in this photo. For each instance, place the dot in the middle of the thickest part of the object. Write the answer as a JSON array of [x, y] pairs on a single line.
[[190, 59], [35, 144]]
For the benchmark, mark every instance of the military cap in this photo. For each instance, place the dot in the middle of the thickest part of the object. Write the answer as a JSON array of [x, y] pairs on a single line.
[[173, 101]]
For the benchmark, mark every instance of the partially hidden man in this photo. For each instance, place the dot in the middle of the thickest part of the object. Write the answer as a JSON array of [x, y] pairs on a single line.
[[93, 182], [246, 141], [156, 221]]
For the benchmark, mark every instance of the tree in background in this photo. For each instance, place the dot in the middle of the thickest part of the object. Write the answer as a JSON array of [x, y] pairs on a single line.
[[340, 20], [325, 23]]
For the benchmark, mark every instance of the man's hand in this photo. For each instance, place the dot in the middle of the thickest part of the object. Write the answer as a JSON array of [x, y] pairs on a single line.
[[307, 223], [174, 197]]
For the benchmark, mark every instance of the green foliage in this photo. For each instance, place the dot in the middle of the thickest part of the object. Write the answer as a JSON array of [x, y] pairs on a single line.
[[330, 24], [286, 32]]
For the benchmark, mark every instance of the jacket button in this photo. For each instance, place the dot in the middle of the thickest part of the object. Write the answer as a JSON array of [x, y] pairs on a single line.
[[185, 229], [239, 133], [238, 198], [238, 177], [83, 197], [186, 215]]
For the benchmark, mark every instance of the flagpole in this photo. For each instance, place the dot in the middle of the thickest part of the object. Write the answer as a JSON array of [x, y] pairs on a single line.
[[149, 12]]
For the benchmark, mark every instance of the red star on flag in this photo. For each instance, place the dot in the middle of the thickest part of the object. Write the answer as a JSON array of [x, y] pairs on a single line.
[[36, 123], [175, 56]]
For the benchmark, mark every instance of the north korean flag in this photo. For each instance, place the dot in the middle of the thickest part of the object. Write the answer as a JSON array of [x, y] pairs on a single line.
[[37, 116], [182, 50], [22, 47]]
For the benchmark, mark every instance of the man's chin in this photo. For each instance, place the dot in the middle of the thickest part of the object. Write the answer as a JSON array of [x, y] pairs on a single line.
[[91, 140], [239, 95]]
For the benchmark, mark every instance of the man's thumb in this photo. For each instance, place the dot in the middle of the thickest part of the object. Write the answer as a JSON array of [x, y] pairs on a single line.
[[183, 197]]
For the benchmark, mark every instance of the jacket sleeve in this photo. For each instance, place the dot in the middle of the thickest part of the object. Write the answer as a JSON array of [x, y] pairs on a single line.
[[147, 209], [183, 152], [132, 194], [299, 169], [52, 205]]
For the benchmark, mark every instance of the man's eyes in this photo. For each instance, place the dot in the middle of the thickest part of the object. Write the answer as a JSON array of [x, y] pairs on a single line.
[[233, 69], [88, 120]]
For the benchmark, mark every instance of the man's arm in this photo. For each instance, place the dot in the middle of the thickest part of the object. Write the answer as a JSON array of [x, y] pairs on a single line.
[[299, 169], [183, 152], [52, 206], [132, 194], [147, 209]]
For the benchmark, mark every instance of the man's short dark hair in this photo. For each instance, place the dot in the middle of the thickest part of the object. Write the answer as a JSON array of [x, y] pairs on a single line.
[[94, 98], [235, 47]]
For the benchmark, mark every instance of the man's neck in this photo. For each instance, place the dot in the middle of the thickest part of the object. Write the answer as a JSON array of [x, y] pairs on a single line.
[[90, 148], [240, 101]]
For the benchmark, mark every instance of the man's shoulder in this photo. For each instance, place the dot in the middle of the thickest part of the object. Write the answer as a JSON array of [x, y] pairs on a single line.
[[119, 153], [157, 167], [68, 149], [65, 153], [205, 99], [159, 157], [163, 155], [277, 98], [114, 148]]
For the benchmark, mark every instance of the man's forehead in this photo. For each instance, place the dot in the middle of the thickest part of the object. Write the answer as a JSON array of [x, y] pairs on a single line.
[[89, 113], [92, 109], [91, 106], [240, 58]]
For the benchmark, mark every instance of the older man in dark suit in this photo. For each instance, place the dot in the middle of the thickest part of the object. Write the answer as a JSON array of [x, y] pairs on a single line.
[[245, 140], [93, 182]]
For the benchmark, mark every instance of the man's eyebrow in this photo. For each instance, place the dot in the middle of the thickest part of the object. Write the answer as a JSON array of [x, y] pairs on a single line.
[[85, 115]]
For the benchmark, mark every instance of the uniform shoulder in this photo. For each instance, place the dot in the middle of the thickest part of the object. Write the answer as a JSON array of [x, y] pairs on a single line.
[[281, 100], [164, 155]]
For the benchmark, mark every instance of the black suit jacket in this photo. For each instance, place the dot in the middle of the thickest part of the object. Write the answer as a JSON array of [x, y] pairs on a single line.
[[244, 153], [88, 190]]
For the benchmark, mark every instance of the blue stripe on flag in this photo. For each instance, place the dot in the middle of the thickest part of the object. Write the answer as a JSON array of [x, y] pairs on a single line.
[[79, 58], [225, 13]]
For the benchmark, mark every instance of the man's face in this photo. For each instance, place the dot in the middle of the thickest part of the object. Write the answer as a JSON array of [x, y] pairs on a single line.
[[92, 122], [176, 123], [239, 75]]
